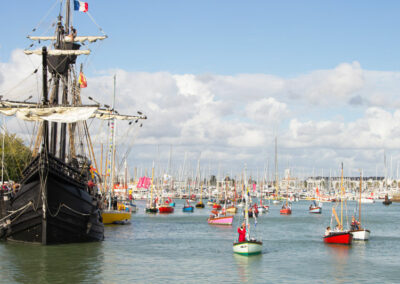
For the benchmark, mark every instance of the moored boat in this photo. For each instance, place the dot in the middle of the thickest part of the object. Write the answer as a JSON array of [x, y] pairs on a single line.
[[387, 201], [165, 209], [216, 206], [58, 199], [285, 210], [314, 208], [220, 220], [200, 204], [340, 237], [116, 217], [247, 247], [360, 234], [231, 209], [356, 229], [246, 244]]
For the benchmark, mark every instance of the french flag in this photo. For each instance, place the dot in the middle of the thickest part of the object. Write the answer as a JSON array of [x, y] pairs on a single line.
[[81, 6]]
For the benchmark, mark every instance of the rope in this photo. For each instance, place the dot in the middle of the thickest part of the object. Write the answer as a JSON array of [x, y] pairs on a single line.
[[16, 211], [20, 82], [66, 206], [90, 16], [47, 14]]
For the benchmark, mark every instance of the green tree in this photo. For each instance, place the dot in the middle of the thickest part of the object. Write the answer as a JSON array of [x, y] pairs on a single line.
[[16, 156]]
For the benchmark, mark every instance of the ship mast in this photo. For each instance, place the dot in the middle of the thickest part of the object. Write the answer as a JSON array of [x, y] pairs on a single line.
[[65, 89]]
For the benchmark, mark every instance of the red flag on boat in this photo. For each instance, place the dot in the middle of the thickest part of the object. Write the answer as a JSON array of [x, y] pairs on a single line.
[[82, 80], [317, 191]]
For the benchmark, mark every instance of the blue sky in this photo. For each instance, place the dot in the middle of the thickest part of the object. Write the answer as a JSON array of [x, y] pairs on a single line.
[[284, 38], [224, 77]]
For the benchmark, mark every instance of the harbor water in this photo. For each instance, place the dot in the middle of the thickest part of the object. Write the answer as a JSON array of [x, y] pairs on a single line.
[[182, 248]]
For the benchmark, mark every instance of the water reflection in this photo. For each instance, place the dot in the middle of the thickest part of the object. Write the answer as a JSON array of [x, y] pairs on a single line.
[[248, 267], [340, 257], [74, 263]]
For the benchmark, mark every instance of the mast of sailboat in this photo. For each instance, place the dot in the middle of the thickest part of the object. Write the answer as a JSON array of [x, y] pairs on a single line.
[[152, 186], [2, 152], [111, 153], [246, 207], [341, 196], [359, 206], [276, 167]]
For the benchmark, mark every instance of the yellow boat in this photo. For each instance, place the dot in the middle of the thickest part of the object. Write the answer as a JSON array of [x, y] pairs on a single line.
[[116, 217]]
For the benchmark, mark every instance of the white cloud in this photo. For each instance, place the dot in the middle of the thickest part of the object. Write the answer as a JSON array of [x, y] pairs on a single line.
[[231, 119]]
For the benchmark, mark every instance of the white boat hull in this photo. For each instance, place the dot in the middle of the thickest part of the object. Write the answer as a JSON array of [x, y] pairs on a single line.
[[276, 202], [362, 235], [367, 201], [247, 247]]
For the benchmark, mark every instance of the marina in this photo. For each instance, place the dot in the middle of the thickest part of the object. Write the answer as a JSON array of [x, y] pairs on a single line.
[[184, 175], [141, 251]]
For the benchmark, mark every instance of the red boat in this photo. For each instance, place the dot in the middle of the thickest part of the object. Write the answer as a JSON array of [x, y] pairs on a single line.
[[285, 211], [344, 238], [165, 209], [216, 206]]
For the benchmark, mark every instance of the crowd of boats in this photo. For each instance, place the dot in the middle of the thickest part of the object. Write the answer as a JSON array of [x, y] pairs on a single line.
[[63, 198]]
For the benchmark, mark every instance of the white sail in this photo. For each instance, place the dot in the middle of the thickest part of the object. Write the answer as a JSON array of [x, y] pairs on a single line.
[[80, 39], [58, 52]]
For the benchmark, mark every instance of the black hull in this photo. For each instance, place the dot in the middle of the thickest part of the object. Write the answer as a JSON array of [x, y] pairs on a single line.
[[69, 213]]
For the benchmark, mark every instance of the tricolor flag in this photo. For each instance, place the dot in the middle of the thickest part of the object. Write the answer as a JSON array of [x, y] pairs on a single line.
[[82, 80], [81, 6]]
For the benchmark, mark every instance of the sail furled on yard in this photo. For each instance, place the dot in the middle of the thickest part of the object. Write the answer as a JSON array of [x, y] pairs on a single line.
[[80, 39], [59, 52], [64, 114], [51, 114]]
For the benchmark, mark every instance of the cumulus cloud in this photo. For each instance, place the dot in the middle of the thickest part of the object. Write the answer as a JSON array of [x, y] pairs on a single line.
[[233, 119]]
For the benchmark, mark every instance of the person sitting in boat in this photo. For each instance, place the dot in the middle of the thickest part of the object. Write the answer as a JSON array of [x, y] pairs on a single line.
[[355, 225], [242, 233], [338, 228], [327, 231]]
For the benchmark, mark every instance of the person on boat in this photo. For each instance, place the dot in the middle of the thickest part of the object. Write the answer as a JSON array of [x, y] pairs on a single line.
[[327, 231], [355, 225], [242, 233]]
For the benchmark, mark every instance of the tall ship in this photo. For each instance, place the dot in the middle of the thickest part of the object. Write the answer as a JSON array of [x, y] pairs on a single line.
[[58, 200]]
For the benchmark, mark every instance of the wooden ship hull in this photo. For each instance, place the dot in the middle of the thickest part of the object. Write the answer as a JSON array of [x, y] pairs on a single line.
[[54, 206]]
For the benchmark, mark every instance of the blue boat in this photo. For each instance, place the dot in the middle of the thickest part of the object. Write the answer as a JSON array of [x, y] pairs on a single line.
[[187, 208]]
